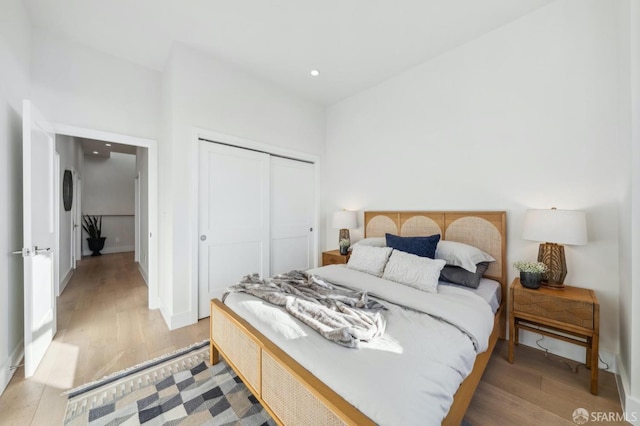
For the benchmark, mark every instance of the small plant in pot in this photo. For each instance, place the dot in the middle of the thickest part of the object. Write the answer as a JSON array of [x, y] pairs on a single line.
[[344, 245], [530, 273], [92, 225]]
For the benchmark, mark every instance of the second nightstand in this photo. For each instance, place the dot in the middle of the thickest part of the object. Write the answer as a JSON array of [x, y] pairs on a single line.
[[333, 257], [572, 315]]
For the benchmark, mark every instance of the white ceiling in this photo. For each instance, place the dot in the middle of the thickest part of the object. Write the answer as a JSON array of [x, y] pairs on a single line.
[[104, 149], [355, 44]]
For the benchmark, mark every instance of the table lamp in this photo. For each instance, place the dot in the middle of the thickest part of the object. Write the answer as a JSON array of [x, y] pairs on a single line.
[[344, 220], [554, 227]]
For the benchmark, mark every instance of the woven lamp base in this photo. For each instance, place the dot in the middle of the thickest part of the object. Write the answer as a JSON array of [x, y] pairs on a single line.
[[552, 255]]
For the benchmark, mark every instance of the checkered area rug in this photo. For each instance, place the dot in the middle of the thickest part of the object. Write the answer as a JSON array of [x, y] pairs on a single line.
[[183, 390]]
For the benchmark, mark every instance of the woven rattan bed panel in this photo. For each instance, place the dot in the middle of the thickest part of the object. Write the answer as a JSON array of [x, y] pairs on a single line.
[[485, 230], [291, 401], [239, 347]]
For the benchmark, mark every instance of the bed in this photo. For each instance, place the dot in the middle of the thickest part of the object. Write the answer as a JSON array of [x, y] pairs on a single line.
[[292, 394]]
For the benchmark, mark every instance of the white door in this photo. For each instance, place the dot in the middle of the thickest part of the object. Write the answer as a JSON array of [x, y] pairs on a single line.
[[292, 215], [39, 233], [233, 218]]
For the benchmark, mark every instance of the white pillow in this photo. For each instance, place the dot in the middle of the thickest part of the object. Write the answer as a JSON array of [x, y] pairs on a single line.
[[371, 242], [369, 259], [462, 255], [415, 271]]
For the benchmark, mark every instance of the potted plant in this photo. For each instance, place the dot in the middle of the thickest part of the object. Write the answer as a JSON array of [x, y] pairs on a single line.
[[92, 225], [344, 245], [530, 273]]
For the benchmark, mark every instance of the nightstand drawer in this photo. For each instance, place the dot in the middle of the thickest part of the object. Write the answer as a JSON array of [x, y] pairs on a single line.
[[554, 307], [333, 257]]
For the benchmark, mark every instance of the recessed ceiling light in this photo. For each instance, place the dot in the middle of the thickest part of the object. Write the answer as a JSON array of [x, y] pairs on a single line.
[[107, 144], [315, 73], [96, 152]]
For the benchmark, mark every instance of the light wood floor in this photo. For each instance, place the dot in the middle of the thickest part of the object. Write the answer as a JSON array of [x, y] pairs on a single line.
[[104, 326]]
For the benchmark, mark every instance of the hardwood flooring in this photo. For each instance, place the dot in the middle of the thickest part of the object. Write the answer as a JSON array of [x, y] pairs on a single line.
[[536, 390], [104, 326]]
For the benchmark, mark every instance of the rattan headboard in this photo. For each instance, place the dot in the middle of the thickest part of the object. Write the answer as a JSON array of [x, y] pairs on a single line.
[[485, 230]]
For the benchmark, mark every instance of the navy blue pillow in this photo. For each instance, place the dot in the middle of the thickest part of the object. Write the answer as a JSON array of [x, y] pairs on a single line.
[[421, 246]]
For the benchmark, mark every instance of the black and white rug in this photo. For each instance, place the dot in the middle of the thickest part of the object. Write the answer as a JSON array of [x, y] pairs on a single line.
[[180, 388]]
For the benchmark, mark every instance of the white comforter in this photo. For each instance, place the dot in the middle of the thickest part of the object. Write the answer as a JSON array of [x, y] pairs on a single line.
[[408, 376]]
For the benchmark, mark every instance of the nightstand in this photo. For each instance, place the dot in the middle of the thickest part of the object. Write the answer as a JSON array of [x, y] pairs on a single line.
[[574, 312], [333, 257]]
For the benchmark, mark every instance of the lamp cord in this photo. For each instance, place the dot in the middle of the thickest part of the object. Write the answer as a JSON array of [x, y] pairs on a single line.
[[558, 359]]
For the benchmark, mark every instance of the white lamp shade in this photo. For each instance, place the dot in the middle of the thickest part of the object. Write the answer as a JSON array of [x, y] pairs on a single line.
[[555, 226], [344, 219]]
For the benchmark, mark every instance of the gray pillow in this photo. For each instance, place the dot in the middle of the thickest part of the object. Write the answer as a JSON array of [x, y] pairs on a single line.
[[460, 254], [458, 275]]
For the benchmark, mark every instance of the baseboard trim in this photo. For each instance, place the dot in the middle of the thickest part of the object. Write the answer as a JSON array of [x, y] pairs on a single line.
[[66, 280], [632, 410], [630, 404], [567, 350], [143, 272], [110, 250], [165, 314], [6, 372], [181, 320]]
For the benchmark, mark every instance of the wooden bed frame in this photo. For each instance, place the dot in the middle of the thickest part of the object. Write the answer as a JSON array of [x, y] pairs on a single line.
[[290, 393]]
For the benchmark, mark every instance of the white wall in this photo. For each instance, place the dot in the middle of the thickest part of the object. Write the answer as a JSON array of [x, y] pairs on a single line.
[[205, 93], [76, 85], [14, 86], [70, 152], [108, 186], [523, 117], [629, 314]]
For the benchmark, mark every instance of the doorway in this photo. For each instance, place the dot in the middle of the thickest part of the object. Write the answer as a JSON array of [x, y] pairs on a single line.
[[146, 163], [41, 224]]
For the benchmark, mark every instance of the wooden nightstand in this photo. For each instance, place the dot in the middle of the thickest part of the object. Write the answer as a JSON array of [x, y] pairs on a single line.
[[333, 257], [574, 311]]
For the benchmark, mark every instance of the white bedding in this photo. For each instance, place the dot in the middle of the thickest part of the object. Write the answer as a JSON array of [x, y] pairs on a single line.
[[408, 376], [489, 290]]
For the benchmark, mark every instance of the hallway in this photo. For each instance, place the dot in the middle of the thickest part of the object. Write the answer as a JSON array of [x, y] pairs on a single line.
[[104, 326]]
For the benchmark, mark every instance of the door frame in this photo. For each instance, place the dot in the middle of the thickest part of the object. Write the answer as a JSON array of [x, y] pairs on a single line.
[[56, 220], [136, 218], [77, 218], [196, 134], [152, 195]]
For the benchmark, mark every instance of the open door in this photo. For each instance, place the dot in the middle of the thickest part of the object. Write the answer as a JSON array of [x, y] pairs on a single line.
[[38, 153]]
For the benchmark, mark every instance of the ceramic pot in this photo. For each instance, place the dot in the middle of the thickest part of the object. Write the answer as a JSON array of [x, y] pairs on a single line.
[[530, 279], [96, 244]]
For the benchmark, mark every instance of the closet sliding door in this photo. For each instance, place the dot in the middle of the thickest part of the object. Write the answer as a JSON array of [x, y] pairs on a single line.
[[256, 215], [234, 218], [292, 207]]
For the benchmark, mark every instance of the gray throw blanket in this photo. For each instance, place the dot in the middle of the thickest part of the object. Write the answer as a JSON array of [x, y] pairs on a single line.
[[344, 316]]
